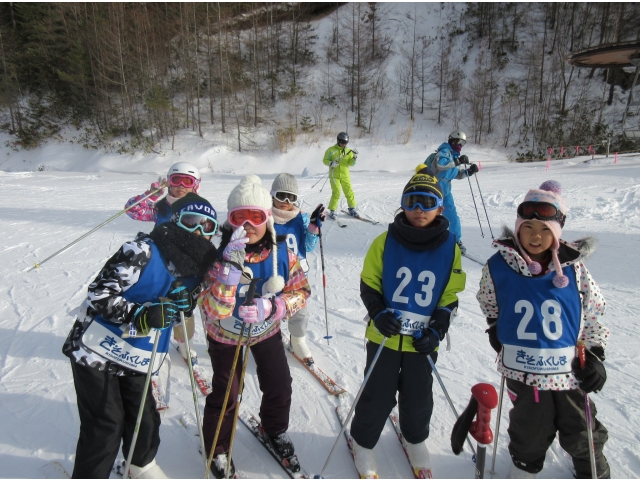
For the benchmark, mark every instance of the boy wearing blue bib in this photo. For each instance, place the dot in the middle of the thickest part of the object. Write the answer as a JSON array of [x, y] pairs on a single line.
[[301, 235], [144, 286], [540, 301], [409, 282]]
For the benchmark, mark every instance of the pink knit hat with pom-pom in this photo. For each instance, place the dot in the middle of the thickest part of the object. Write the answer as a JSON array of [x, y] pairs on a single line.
[[549, 192]]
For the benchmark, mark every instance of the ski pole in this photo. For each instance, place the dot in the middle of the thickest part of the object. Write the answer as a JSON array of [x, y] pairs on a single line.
[[325, 182], [495, 440], [582, 355], [37, 265], [193, 389], [474, 200], [145, 390], [353, 407], [418, 334], [320, 180], [324, 286], [484, 206], [245, 361], [248, 301]]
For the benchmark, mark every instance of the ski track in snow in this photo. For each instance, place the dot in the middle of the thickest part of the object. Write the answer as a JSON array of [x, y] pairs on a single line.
[[39, 418]]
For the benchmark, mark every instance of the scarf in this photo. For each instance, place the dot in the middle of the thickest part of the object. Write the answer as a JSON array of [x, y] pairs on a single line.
[[189, 253], [419, 239]]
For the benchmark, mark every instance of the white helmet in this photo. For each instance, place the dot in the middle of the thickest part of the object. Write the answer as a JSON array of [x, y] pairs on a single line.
[[184, 168], [458, 135]]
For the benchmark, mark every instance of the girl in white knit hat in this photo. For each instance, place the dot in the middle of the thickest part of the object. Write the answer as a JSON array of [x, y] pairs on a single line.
[[541, 303], [250, 248], [301, 234]]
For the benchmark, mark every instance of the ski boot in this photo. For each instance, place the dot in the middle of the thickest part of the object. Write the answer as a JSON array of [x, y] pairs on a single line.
[[150, 470], [419, 456], [301, 350], [332, 214], [219, 466], [282, 444], [365, 461], [353, 212], [182, 348]]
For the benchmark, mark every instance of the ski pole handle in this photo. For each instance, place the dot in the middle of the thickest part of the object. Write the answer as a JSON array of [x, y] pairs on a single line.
[[582, 354], [487, 398], [251, 292]]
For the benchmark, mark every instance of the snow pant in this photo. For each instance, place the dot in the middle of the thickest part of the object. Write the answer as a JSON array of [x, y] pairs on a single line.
[[108, 407], [298, 323], [451, 214], [274, 379], [533, 426], [344, 182], [191, 328], [407, 373]]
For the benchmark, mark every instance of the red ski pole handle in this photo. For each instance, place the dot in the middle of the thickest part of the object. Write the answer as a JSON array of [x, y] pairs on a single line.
[[487, 398], [582, 354]]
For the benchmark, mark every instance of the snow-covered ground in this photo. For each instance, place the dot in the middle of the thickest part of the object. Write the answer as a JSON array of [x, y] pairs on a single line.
[[43, 211]]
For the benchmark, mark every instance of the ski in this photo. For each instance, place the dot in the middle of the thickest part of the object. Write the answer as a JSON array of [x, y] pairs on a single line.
[[198, 373], [473, 259], [291, 465], [342, 411], [327, 382], [364, 219], [54, 470], [417, 472], [335, 219]]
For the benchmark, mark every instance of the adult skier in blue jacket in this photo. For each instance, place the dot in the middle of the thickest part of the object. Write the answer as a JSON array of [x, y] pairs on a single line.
[[448, 165]]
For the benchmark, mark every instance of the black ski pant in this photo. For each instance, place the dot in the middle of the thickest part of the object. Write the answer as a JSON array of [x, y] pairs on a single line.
[[407, 373], [108, 406], [533, 426], [274, 379]]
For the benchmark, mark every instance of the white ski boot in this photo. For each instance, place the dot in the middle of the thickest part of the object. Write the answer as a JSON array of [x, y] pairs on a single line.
[[332, 214], [419, 455], [300, 348], [365, 461], [182, 348], [516, 472], [150, 470]]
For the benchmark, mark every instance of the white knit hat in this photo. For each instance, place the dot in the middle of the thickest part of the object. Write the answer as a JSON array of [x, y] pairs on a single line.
[[250, 193], [285, 182]]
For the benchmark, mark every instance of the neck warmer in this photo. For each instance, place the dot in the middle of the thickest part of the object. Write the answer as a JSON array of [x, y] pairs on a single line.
[[419, 239], [190, 254], [284, 216]]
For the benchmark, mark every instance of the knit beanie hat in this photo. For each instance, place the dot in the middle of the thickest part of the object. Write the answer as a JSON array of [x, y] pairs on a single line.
[[192, 202], [549, 192], [424, 180], [285, 182], [250, 193]]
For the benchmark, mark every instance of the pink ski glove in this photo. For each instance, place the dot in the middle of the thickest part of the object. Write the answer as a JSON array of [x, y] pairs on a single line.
[[156, 185], [263, 309], [234, 251]]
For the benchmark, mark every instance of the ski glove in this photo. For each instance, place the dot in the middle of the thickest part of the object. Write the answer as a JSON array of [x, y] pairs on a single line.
[[234, 251], [181, 297], [161, 183], [463, 159], [317, 217], [426, 341], [473, 168], [388, 322], [493, 338], [228, 274], [334, 164], [593, 376], [263, 309], [157, 315]]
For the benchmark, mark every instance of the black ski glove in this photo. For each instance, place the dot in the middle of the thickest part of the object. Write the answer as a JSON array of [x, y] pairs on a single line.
[[463, 159], [473, 168], [158, 315], [493, 334], [426, 341], [388, 323], [593, 376], [181, 297], [318, 216]]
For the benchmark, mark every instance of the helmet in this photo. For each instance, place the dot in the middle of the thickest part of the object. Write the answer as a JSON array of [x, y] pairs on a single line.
[[459, 135], [184, 168], [343, 137]]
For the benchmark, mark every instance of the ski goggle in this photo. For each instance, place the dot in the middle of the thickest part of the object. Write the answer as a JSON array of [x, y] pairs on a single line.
[[191, 221], [458, 141], [541, 211], [186, 181], [256, 216], [424, 200], [286, 197]]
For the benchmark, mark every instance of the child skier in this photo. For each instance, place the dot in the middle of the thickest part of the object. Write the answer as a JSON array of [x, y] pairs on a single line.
[[128, 295], [182, 178], [301, 237], [414, 272], [250, 248], [540, 301]]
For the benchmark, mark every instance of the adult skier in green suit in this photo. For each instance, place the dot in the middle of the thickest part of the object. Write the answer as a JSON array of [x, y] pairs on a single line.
[[339, 158]]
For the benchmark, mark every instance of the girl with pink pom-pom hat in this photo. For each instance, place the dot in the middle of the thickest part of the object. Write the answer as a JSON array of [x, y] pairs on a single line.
[[541, 303]]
